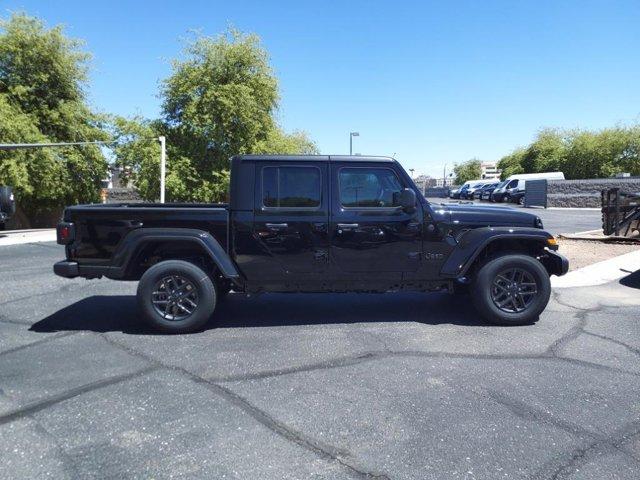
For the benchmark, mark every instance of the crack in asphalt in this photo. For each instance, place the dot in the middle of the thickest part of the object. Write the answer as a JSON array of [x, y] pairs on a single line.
[[64, 288], [565, 464], [631, 349], [568, 463], [555, 349], [39, 405], [348, 361], [528, 412], [50, 338], [323, 450]]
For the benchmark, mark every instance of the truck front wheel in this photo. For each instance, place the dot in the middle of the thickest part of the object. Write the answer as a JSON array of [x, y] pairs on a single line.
[[175, 296], [511, 290]]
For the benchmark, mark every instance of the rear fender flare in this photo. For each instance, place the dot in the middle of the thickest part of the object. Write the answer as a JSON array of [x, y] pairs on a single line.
[[132, 242]]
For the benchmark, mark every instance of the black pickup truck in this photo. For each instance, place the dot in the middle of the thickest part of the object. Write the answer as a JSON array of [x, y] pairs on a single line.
[[313, 224]]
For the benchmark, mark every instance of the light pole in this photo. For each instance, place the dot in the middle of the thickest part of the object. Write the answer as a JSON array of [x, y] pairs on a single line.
[[351, 135], [163, 166], [412, 170]]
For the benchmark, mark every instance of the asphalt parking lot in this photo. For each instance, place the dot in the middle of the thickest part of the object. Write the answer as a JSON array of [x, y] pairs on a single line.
[[556, 221], [404, 386]]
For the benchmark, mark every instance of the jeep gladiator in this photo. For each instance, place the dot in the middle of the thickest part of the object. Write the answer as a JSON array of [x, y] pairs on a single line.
[[313, 224]]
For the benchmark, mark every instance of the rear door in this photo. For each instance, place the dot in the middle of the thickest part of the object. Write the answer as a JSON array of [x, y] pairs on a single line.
[[291, 218], [370, 233]]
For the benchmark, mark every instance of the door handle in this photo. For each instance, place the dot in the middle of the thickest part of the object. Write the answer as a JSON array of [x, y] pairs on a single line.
[[346, 227], [276, 226]]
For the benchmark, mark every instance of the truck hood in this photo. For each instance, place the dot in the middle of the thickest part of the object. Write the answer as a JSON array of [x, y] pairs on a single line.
[[471, 215]]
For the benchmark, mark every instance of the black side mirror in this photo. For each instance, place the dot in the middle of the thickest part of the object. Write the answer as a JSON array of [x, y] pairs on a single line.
[[408, 200]]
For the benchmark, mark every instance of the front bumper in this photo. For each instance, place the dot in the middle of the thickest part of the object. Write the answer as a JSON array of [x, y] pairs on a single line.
[[556, 264], [66, 269]]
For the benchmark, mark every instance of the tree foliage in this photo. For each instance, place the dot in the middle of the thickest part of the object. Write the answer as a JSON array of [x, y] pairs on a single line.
[[578, 153], [220, 100], [43, 77], [469, 170]]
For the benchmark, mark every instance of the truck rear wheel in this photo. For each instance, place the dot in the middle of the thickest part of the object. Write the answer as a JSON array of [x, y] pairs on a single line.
[[511, 290], [175, 296]]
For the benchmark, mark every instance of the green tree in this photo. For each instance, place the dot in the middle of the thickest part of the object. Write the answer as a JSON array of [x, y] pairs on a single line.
[[578, 153], [220, 100], [469, 170], [512, 164], [43, 81]]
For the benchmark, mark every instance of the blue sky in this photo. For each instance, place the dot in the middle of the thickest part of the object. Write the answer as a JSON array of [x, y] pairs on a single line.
[[431, 82]]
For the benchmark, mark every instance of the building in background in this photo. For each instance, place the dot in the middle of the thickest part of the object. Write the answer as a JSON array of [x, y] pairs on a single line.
[[490, 171]]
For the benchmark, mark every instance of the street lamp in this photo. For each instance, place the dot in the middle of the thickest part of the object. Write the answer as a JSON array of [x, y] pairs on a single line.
[[351, 135], [163, 164]]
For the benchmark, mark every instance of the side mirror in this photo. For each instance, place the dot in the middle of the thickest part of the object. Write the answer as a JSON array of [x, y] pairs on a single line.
[[408, 200]]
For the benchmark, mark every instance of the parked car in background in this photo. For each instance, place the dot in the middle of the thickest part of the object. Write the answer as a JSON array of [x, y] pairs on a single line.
[[465, 189], [486, 192], [515, 185], [454, 192], [7, 205], [477, 193], [472, 191], [515, 196]]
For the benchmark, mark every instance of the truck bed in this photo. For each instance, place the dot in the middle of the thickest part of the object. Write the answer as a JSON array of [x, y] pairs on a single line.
[[101, 227]]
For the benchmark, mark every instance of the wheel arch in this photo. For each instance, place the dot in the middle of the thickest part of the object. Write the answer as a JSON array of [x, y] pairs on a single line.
[[143, 244], [476, 246]]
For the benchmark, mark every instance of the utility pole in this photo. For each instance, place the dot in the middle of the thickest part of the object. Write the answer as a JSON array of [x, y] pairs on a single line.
[[444, 176], [163, 165]]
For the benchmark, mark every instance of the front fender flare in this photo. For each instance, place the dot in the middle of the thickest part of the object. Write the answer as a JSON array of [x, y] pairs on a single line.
[[472, 243]]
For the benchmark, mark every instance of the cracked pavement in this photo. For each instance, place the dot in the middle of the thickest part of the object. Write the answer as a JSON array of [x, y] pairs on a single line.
[[403, 386]]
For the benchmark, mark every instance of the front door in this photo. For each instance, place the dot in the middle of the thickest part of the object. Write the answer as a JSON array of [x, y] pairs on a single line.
[[291, 222], [370, 232]]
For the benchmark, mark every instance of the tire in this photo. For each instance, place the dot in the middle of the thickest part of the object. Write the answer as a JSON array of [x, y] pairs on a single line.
[[486, 296], [521, 201], [190, 286]]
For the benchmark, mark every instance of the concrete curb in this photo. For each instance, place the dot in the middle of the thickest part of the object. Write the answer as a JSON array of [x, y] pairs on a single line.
[[19, 237], [601, 272], [592, 209], [598, 236]]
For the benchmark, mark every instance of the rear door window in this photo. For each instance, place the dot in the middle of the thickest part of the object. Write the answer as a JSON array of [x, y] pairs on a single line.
[[291, 187]]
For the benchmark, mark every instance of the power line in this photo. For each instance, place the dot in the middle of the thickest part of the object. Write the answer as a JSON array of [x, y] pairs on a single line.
[[18, 146]]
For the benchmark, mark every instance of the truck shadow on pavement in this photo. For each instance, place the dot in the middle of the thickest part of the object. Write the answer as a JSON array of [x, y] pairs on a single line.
[[632, 280], [119, 313]]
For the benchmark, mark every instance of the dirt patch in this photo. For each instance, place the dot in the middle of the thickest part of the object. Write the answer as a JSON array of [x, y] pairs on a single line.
[[582, 253]]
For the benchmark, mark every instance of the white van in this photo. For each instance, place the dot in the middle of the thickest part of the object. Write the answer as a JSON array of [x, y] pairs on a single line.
[[516, 183]]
